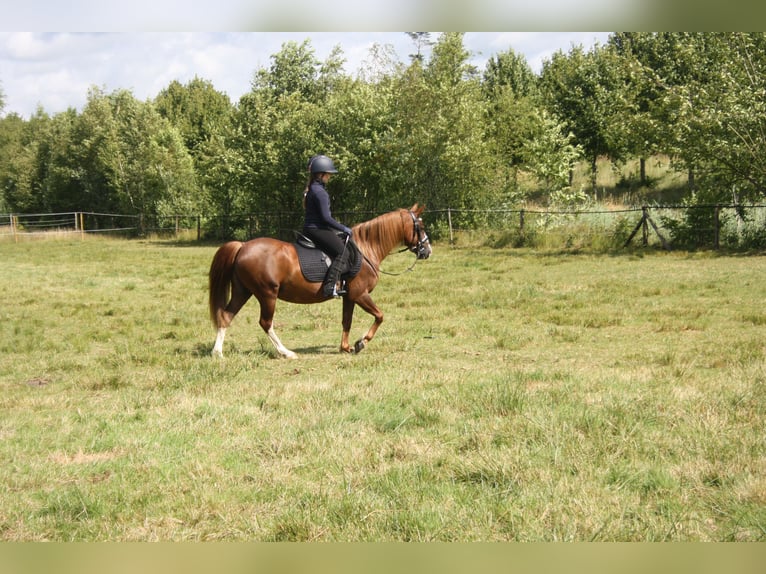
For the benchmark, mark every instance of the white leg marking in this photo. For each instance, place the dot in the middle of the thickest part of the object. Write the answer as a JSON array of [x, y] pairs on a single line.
[[284, 351], [218, 347]]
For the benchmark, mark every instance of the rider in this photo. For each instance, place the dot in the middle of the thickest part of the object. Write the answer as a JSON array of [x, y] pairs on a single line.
[[319, 225]]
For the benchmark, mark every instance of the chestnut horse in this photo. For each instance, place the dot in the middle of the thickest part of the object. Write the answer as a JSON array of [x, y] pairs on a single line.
[[269, 269]]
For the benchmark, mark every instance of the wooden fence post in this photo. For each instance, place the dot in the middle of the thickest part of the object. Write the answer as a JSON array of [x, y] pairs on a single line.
[[641, 225], [717, 227], [449, 222], [664, 242], [645, 226]]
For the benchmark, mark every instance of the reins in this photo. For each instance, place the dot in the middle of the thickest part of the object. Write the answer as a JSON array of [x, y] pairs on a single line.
[[410, 268], [378, 271]]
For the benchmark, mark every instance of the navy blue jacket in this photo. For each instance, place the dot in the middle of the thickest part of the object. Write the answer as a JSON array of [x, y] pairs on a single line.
[[318, 209]]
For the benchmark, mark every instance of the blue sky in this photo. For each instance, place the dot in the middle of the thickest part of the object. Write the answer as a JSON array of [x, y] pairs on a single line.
[[56, 69]]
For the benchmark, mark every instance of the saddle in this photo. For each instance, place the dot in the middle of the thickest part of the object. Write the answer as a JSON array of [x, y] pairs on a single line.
[[315, 262]]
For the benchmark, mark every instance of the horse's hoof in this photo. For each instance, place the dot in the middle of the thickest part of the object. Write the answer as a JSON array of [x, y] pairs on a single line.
[[359, 346]]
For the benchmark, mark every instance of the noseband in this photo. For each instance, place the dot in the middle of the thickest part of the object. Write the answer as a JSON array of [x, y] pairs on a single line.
[[418, 244]]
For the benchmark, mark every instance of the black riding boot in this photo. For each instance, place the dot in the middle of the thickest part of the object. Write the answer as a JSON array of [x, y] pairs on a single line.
[[330, 287]]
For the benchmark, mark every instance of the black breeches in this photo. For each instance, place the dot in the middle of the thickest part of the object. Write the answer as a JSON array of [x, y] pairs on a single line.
[[326, 239]]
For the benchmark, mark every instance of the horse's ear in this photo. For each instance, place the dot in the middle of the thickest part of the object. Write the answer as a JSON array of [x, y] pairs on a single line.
[[418, 209]]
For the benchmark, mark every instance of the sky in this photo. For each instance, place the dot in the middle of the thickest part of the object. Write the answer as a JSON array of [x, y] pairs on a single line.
[[55, 70]]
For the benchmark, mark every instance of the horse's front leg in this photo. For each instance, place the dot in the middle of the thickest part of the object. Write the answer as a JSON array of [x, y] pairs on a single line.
[[366, 303]]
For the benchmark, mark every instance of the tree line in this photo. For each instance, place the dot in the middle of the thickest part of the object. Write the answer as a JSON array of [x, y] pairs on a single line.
[[434, 129]]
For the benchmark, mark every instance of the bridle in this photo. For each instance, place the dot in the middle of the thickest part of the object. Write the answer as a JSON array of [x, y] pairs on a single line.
[[419, 245], [420, 239]]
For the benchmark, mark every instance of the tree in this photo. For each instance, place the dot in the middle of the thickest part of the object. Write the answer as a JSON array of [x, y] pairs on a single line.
[[700, 98], [509, 71], [202, 115], [438, 145], [658, 64], [421, 41], [132, 160], [57, 173], [17, 158], [286, 118], [360, 118], [550, 154], [586, 91], [722, 109], [294, 70], [196, 109], [381, 65], [508, 84]]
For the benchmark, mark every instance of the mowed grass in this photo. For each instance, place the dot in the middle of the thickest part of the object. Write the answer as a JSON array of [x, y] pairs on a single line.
[[509, 395]]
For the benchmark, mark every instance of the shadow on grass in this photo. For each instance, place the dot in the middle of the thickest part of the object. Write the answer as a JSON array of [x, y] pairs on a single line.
[[205, 350]]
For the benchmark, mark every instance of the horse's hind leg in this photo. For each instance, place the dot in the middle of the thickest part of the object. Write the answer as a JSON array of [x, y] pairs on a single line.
[[239, 296], [219, 337], [268, 304]]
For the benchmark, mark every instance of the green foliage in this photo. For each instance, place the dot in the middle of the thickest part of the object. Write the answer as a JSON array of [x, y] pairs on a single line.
[[551, 154], [438, 150], [587, 91], [293, 71], [508, 71], [197, 111], [16, 164], [726, 112], [133, 157], [119, 155], [695, 228], [433, 130]]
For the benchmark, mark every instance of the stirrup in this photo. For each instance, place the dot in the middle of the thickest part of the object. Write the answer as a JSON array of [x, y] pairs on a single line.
[[338, 289]]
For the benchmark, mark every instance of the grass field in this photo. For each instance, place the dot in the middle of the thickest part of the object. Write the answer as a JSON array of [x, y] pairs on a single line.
[[509, 395]]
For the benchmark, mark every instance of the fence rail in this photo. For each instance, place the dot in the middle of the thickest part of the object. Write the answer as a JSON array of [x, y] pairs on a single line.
[[665, 226]]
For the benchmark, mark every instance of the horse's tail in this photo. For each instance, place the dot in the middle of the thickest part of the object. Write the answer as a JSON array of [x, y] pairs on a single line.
[[221, 274]]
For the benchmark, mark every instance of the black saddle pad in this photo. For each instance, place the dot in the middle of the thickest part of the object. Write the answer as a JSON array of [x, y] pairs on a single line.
[[315, 262]]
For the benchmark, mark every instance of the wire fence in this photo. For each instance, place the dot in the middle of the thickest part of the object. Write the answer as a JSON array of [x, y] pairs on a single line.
[[666, 227]]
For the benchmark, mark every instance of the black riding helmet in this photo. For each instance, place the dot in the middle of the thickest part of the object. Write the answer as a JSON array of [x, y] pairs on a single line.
[[321, 164]]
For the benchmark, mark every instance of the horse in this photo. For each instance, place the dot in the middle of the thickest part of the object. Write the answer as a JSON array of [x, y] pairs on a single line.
[[269, 269]]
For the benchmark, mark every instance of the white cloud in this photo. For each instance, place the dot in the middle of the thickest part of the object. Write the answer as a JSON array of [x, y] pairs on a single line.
[[55, 70], [535, 46]]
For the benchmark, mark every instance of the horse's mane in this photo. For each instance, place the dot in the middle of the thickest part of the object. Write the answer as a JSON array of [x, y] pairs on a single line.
[[380, 235]]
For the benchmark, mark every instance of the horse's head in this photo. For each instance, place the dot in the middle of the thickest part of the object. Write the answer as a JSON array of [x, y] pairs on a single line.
[[419, 244]]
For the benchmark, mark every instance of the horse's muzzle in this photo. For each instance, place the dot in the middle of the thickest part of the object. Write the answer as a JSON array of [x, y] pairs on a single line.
[[423, 249]]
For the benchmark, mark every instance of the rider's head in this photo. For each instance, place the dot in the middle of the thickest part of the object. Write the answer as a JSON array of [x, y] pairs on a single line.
[[321, 164]]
